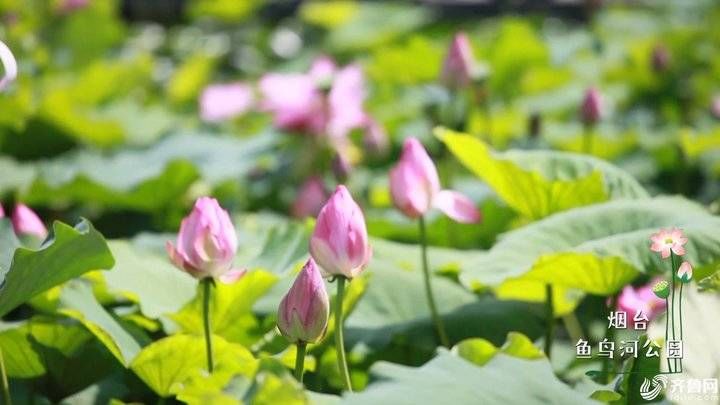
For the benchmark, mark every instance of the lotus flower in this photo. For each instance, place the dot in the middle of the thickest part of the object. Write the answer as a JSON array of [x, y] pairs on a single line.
[[206, 243], [668, 240], [304, 311], [220, 102], [310, 198], [2, 211], [632, 300], [592, 108], [324, 101], [662, 289], [8, 61], [685, 272], [26, 222], [68, 6], [459, 66], [339, 243], [415, 187]]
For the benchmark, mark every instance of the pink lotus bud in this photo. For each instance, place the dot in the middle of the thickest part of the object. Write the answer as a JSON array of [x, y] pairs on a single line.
[[10, 65], [642, 299], [310, 198], [206, 243], [304, 311], [660, 58], [339, 243], [68, 6], [415, 187], [26, 222], [2, 211], [459, 67], [685, 272], [592, 108], [220, 102]]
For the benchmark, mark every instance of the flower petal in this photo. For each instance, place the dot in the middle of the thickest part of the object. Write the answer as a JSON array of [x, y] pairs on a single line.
[[232, 275], [457, 206]]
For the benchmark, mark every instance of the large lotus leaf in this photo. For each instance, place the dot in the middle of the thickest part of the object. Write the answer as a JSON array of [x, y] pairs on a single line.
[[447, 379], [147, 179], [169, 364], [148, 278], [540, 183], [77, 301], [69, 253], [596, 249]]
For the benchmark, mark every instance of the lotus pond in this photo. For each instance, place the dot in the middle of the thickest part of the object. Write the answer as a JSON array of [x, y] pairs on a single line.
[[359, 202]]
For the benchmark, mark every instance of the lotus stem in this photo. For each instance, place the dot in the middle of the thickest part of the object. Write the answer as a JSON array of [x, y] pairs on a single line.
[[667, 332], [5, 385], [300, 361], [681, 320], [339, 341], [207, 286], [672, 302], [437, 320], [549, 319]]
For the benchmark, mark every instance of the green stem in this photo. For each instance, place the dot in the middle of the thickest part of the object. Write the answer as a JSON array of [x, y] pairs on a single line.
[[667, 325], [5, 385], [339, 342], [672, 302], [587, 140], [437, 320], [207, 284], [300, 360], [681, 321], [572, 324], [549, 319]]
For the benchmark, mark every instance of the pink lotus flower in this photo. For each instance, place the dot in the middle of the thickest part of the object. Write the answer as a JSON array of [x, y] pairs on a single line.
[[685, 272], [668, 240], [310, 198], [459, 66], [339, 243], [592, 107], [415, 187], [206, 243], [219, 102], [304, 311], [26, 222], [631, 300], [10, 65], [324, 101], [2, 211]]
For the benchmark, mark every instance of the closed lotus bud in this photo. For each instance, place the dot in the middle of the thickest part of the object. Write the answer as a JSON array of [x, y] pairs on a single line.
[[460, 66], [414, 181], [591, 110], [685, 272], [662, 289], [304, 311], [206, 243], [310, 199], [26, 222], [339, 243], [660, 58], [10, 65]]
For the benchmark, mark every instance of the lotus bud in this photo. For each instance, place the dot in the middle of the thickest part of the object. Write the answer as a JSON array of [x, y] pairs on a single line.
[[2, 211], [304, 311], [339, 243], [26, 222], [459, 66], [715, 107], [662, 289], [660, 58], [206, 243], [685, 272], [591, 110]]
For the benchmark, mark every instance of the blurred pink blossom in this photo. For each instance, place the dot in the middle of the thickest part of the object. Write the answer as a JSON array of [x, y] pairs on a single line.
[[459, 65], [219, 102], [631, 300], [26, 222], [206, 243], [68, 6], [415, 187], [668, 240], [339, 243], [310, 199], [592, 106]]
